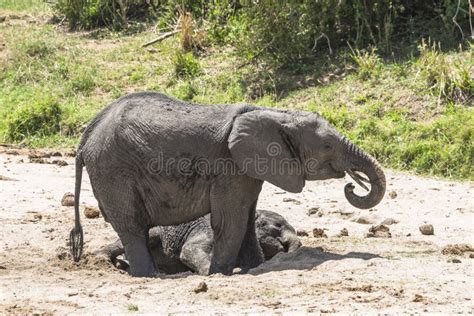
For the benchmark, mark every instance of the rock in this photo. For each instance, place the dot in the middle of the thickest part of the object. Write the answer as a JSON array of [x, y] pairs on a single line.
[[38, 160], [418, 298], [343, 233], [3, 18], [38, 154], [201, 287], [91, 212], [302, 233], [319, 233], [426, 229], [389, 221], [454, 260], [456, 249], [379, 231], [392, 194], [344, 212], [471, 255], [312, 211], [365, 219], [294, 201], [12, 152], [5, 178], [60, 163], [70, 153], [56, 154], [68, 199]]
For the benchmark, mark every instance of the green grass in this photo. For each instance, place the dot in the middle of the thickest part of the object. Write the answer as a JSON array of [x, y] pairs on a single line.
[[416, 114], [24, 5]]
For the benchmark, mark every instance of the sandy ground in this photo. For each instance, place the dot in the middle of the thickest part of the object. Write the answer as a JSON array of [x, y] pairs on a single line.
[[405, 273]]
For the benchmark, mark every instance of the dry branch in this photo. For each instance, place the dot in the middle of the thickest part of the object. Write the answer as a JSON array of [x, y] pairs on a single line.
[[161, 37]]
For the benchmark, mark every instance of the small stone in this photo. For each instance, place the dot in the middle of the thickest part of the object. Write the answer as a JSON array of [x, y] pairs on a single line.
[[418, 298], [319, 233], [379, 231], [427, 229], [454, 260], [68, 199], [365, 219], [389, 221], [91, 212], [471, 255], [38, 160], [294, 201], [60, 163], [302, 233], [201, 287], [392, 194], [313, 211], [70, 153], [343, 233], [56, 154]]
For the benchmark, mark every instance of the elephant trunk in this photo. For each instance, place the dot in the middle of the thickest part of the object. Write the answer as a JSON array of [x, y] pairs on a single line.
[[290, 241], [360, 162]]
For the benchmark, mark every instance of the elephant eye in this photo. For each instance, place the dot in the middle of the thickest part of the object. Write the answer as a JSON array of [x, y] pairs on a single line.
[[327, 146], [278, 225]]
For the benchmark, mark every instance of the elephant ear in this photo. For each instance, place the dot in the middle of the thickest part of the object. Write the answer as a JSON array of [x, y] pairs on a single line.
[[261, 147]]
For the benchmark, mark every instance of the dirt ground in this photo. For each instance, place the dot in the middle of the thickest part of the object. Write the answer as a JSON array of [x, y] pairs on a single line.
[[408, 272]]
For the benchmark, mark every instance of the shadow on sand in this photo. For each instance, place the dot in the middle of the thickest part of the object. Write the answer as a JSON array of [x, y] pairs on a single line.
[[306, 258]]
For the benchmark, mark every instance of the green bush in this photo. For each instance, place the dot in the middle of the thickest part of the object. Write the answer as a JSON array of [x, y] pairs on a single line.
[[41, 118], [447, 78], [185, 65], [367, 62], [115, 14]]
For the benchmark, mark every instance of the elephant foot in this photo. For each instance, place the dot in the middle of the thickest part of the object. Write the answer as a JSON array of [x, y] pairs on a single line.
[[225, 269], [139, 257]]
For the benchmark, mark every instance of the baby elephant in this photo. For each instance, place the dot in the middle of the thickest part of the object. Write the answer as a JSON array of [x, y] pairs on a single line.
[[188, 247]]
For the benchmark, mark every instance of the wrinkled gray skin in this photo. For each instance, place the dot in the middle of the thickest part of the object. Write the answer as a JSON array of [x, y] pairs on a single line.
[[188, 247], [143, 151]]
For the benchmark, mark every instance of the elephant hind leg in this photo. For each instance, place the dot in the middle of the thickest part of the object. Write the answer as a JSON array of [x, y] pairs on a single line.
[[138, 255], [127, 215]]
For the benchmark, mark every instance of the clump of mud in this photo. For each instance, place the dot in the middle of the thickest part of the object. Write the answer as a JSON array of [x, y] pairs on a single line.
[[91, 212], [379, 231], [68, 199], [456, 249], [89, 261], [319, 233]]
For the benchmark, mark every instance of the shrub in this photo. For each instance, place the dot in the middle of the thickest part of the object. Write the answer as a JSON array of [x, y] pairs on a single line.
[[90, 14], [367, 63], [185, 65], [41, 118], [447, 78]]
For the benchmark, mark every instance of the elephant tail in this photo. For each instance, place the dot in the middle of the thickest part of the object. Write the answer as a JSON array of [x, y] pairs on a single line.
[[76, 237]]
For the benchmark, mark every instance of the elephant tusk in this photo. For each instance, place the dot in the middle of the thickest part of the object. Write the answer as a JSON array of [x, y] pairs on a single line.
[[359, 179]]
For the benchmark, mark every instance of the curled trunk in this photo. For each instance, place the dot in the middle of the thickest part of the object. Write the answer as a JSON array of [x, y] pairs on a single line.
[[361, 162]]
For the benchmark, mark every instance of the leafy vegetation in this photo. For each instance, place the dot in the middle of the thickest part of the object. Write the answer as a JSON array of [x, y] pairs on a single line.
[[412, 108]]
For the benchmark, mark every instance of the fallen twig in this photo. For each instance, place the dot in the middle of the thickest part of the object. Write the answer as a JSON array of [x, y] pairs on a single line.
[[161, 37]]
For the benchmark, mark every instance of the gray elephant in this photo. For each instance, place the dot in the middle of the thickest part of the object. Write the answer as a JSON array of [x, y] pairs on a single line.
[[154, 160], [188, 247]]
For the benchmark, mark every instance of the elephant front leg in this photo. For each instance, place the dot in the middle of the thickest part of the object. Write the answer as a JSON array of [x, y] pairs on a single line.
[[251, 254], [232, 198]]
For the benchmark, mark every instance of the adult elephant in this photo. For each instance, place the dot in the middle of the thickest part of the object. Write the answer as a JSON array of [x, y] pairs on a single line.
[[154, 160]]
